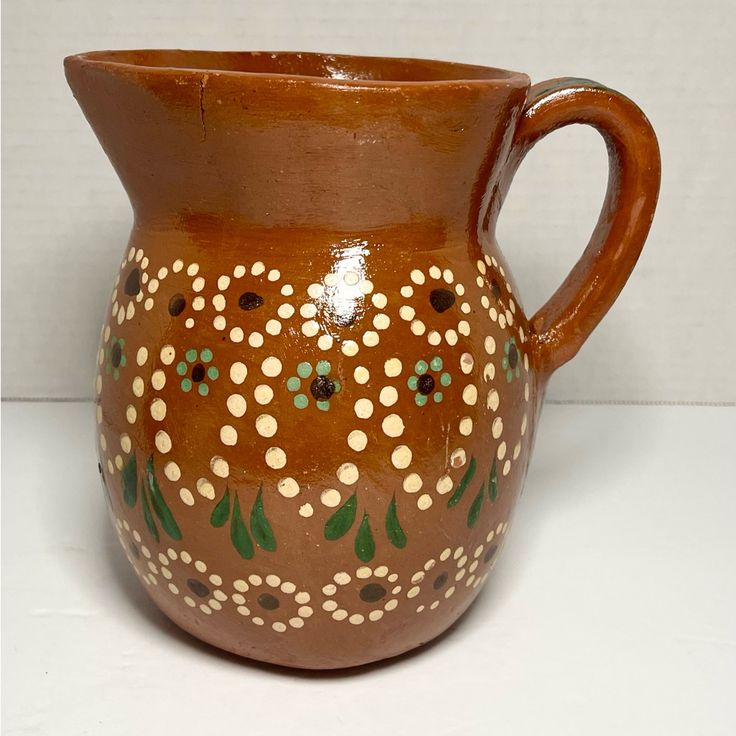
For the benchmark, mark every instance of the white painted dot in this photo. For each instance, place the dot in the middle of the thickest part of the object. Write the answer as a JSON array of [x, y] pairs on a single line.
[[341, 578], [379, 300], [141, 356], [381, 571], [228, 435], [523, 425], [361, 375], [288, 487], [266, 425], [501, 321], [507, 467], [393, 425], [257, 268], [138, 386], [348, 474], [167, 354], [381, 321], [435, 272], [177, 265], [271, 366], [273, 327], [501, 452], [263, 394], [186, 496], [306, 510], [274, 274], [237, 334], [370, 339], [162, 441], [223, 282], [255, 339], [130, 311], [219, 322], [198, 284], [236, 405], [412, 483], [417, 276], [463, 327], [158, 379], [490, 345], [285, 311], [125, 443], [198, 303], [497, 428], [375, 615], [424, 502], [331, 279], [366, 286], [356, 619], [390, 605], [287, 290], [310, 328], [470, 394], [158, 409], [458, 458], [489, 372], [388, 396], [492, 400], [172, 471], [392, 367], [363, 408], [350, 348], [407, 291], [407, 313], [275, 458], [434, 337], [192, 269], [465, 308], [444, 485], [401, 457], [357, 440], [451, 337], [220, 467], [351, 278], [330, 498], [324, 342], [205, 489], [308, 310], [189, 323], [418, 327], [315, 291]]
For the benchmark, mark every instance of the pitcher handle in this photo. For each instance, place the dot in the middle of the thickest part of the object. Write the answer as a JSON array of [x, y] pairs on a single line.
[[563, 324]]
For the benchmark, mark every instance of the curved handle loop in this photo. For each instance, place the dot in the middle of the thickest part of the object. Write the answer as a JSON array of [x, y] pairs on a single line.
[[563, 324]]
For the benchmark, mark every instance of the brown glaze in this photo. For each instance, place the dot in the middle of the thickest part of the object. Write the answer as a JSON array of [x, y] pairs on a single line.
[[317, 388]]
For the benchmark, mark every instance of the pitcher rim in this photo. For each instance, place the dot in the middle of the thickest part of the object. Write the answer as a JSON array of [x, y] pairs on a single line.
[[449, 73]]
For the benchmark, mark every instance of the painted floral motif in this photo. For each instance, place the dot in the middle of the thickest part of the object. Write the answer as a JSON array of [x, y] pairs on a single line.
[[321, 387], [425, 384], [194, 370], [511, 360], [115, 357]]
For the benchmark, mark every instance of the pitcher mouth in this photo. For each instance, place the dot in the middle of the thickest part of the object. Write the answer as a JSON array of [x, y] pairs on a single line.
[[337, 69]]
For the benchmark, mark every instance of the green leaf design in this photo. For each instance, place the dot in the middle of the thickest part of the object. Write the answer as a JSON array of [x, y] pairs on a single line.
[[147, 516], [159, 504], [239, 534], [493, 482], [393, 528], [130, 481], [463, 484], [365, 546], [262, 532], [341, 521], [474, 510], [221, 512]]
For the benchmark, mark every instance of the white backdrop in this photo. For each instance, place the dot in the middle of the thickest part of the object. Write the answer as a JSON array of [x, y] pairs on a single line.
[[670, 337]]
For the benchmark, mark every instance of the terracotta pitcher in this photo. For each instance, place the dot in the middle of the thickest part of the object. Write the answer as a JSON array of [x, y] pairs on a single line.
[[317, 389]]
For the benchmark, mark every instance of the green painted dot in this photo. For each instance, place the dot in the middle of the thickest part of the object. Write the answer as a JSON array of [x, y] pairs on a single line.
[[420, 399], [206, 355], [186, 385], [336, 385], [121, 341], [436, 363], [122, 362], [323, 405], [437, 397], [505, 363], [412, 383], [301, 401], [304, 370], [323, 367], [509, 376], [191, 355], [212, 373], [421, 367], [293, 383], [445, 379], [203, 389], [181, 368]]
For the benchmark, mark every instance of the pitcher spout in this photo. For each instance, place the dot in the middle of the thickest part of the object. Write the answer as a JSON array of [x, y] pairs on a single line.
[[298, 140]]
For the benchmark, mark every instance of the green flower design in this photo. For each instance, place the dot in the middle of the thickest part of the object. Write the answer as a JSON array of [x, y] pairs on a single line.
[[194, 370], [510, 362], [322, 387], [423, 383], [115, 357]]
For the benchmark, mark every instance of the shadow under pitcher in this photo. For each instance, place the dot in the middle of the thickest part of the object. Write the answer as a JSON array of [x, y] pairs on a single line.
[[317, 389]]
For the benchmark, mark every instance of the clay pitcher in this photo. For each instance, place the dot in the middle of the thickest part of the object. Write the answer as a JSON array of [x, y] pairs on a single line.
[[317, 387]]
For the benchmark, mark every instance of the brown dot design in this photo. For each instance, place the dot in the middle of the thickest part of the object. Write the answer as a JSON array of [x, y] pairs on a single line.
[[440, 581], [198, 588], [372, 592], [322, 388], [177, 304], [441, 299], [268, 601], [249, 300], [133, 283]]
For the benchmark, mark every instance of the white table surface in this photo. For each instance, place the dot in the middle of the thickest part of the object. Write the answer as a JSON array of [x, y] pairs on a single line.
[[612, 609]]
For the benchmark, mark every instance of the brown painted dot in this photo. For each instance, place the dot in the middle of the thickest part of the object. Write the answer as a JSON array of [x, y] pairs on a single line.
[[177, 303], [439, 581], [134, 551], [250, 300], [344, 317], [133, 283], [495, 289], [322, 388], [198, 587], [489, 554], [372, 592], [425, 385], [99, 469], [197, 373], [116, 355], [441, 299], [267, 601], [513, 356]]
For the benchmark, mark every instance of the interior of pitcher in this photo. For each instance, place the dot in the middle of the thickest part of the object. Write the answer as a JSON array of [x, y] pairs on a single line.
[[365, 69]]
